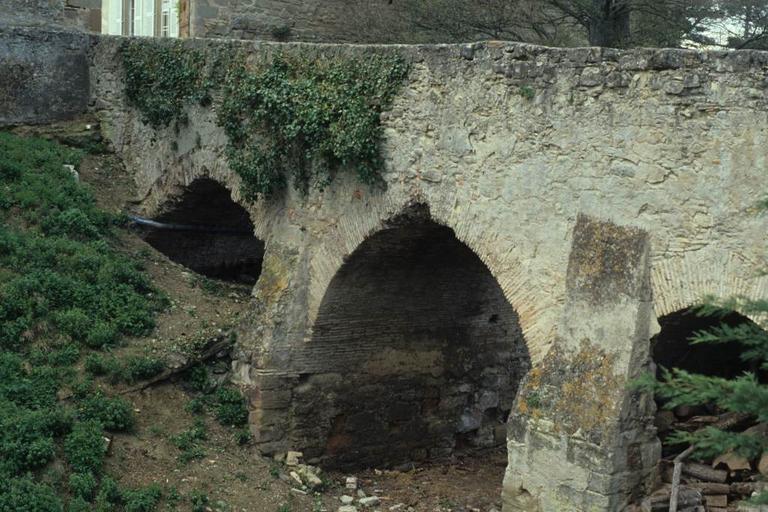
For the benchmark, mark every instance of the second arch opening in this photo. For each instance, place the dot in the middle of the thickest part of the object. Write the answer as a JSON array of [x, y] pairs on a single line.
[[416, 353]]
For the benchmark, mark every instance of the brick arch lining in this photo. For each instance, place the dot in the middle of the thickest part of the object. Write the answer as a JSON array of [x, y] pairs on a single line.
[[415, 352]]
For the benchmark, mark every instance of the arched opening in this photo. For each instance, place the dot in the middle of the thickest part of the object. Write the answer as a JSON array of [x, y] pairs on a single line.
[[672, 348], [416, 353], [204, 230]]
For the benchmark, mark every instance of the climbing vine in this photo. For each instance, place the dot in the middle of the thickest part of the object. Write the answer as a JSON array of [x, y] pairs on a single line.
[[162, 78], [306, 118], [288, 117]]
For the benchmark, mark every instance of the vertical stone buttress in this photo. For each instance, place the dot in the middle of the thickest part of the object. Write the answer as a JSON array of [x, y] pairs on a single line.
[[580, 437]]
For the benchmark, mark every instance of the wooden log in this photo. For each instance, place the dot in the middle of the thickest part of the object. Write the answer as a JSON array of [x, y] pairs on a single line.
[[660, 502], [705, 473], [696, 423], [709, 488], [743, 488], [716, 500], [734, 420]]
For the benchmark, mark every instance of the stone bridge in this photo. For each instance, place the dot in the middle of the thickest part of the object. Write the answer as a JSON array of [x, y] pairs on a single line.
[[543, 207]]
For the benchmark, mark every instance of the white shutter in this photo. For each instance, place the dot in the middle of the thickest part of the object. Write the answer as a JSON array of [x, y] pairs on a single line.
[[174, 19], [137, 18], [115, 14], [149, 17]]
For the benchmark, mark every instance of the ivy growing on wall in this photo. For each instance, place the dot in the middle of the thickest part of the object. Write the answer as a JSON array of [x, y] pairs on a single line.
[[162, 77], [296, 116]]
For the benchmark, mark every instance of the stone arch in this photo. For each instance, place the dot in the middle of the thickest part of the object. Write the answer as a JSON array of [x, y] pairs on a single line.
[[537, 315], [202, 228], [682, 282], [172, 183], [415, 352]]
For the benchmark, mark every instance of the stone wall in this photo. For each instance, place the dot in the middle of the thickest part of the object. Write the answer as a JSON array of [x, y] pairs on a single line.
[[546, 164], [44, 76]]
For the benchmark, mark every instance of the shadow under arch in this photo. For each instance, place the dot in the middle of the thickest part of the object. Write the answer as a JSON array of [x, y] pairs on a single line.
[[206, 231], [415, 353], [672, 348]]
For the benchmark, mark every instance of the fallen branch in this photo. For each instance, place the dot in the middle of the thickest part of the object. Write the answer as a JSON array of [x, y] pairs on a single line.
[[215, 346]]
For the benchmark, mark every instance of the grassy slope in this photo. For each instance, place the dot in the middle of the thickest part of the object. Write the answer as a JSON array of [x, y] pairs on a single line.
[[68, 297]]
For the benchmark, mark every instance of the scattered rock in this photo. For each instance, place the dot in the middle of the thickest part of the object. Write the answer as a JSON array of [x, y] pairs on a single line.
[[347, 508], [361, 493], [351, 482], [762, 466], [732, 461], [292, 458], [296, 477], [369, 502], [347, 500], [72, 171]]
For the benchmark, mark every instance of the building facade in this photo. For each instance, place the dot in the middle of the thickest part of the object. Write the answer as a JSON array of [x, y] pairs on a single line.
[[153, 18]]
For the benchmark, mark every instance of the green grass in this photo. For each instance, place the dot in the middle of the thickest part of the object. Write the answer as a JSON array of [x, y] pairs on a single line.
[[64, 292]]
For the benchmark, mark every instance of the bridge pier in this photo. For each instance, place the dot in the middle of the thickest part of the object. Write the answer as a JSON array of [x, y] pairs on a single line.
[[580, 438]]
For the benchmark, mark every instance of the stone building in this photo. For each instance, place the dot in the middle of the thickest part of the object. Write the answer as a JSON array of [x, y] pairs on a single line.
[[158, 18], [78, 14], [304, 20]]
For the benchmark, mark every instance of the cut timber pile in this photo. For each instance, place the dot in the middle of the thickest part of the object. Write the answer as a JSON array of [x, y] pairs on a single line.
[[715, 485]]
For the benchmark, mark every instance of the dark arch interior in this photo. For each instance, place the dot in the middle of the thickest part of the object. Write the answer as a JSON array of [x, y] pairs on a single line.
[[416, 353], [209, 233], [672, 348]]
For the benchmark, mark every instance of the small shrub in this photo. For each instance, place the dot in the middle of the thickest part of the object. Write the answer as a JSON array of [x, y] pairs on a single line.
[[231, 408], [83, 485], [141, 368], [197, 378], [188, 441], [527, 92], [243, 436], [173, 498], [67, 355], [114, 414], [99, 365], [101, 334], [109, 495], [25, 494], [306, 118], [199, 501], [85, 447], [142, 500], [78, 504], [195, 406]]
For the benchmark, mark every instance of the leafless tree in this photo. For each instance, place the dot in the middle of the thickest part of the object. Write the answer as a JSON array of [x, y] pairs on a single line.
[[614, 23]]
